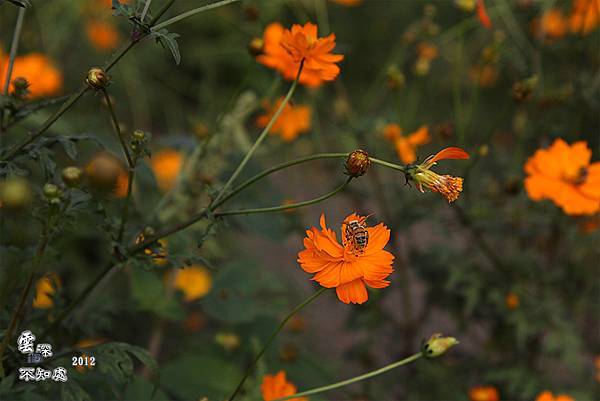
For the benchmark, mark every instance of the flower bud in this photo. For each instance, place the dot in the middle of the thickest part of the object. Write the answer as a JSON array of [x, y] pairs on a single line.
[[522, 91], [52, 193], [72, 176], [256, 46], [395, 76], [357, 163], [15, 193], [97, 78], [20, 87], [437, 345], [229, 341], [103, 171], [139, 135]]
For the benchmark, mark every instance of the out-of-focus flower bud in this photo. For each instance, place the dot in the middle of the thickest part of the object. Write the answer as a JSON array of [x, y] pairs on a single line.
[[395, 77], [522, 91], [96, 78], [251, 12], [512, 301], [437, 345], [465, 5], [357, 163], [15, 193], [229, 341], [72, 176], [483, 150], [52, 193], [103, 171], [256, 46], [422, 66], [288, 353]]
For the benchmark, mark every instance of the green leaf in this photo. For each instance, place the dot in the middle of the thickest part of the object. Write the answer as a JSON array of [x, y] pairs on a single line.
[[151, 296], [71, 391], [168, 40], [114, 359], [121, 9]]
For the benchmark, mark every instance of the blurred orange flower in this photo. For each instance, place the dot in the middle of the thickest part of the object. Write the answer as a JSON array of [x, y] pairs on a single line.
[[485, 75], [564, 174], [406, 146], [349, 3], [484, 393], [43, 77], [345, 267], [584, 16], [552, 24], [120, 189], [512, 301], [45, 288], [103, 35], [166, 165], [293, 120], [548, 396], [277, 386], [87, 343], [284, 49], [482, 15], [448, 186], [194, 281], [427, 51]]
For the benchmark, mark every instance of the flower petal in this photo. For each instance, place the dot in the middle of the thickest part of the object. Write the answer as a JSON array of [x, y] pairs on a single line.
[[353, 292]]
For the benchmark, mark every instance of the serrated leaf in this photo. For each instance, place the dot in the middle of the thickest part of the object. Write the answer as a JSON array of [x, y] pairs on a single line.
[[114, 359], [168, 40]]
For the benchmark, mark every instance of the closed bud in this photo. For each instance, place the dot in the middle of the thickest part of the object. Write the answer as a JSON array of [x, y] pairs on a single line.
[[229, 341], [395, 76], [437, 345], [20, 87], [15, 193], [97, 78], [256, 46], [522, 91], [52, 193], [139, 135], [72, 176], [357, 163]]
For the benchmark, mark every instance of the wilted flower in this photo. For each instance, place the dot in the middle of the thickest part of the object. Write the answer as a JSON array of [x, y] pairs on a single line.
[[357, 163], [292, 121], [448, 186], [345, 267], [277, 386], [484, 393], [406, 146], [45, 288], [285, 49], [564, 174], [194, 281], [437, 345], [43, 77], [548, 396], [166, 165]]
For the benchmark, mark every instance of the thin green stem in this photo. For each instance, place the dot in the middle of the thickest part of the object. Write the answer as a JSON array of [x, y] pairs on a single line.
[[125, 211], [13, 48], [189, 13], [261, 137], [14, 321], [388, 164], [145, 10], [117, 129], [282, 208], [272, 337], [356, 379]]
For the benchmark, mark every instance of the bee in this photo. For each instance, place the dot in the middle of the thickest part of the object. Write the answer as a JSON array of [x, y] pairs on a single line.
[[356, 234]]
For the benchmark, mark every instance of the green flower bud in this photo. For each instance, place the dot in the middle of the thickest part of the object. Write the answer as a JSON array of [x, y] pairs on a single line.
[[437, 345], [72, 176]]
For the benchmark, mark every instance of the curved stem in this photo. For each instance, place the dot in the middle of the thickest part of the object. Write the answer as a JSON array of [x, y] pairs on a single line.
[[272, 337], [343, 383], [388, 164], [189, 13], [281, 208], [261, 137]]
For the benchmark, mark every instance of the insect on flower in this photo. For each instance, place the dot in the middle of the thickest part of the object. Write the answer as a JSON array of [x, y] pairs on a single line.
[[356, 234]]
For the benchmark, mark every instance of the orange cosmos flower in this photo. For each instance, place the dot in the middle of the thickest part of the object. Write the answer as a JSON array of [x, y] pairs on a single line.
[[43, 77], [548, 396], [552, 24], [120, 189], [449, 187], [349, 3], [585, 16], [293, 120], [482, 15], [277, 386], [564, 174], [194, 281], [406, 146], [45, 288], [166, 165], [103, 36], [512, 301], [347, 267], [484, 393], [284, 49]]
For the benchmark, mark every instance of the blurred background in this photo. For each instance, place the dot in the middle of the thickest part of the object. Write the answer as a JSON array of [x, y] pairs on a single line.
[[513, 278]]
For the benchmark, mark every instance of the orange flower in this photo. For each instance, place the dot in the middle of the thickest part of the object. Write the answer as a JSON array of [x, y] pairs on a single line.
[[552, 24], [406, 146], [585, 16], [194, 281], [344, 266], [44, 79], [563, 174], [548, 396], [485, 76], [512, 301], [102, 35], [293, 120], [277, 386], [284, 49], [449, 187], [349, 3], [482, 15], [120, 189], [427, 51], [166, 165], [45, 288], [484, 393]]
